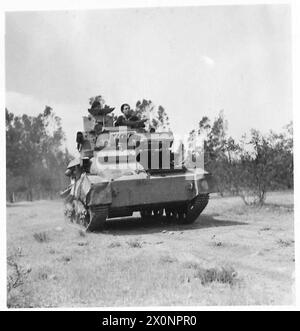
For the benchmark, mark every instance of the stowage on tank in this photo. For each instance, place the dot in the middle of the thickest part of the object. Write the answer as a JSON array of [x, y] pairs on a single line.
[[126, 169]]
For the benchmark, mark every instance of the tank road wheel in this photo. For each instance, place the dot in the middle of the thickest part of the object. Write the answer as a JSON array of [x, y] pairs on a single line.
[[97, 217], [171, 215], [168, 213], [194, 208], [146, 213], [182, 213], [158, 212]]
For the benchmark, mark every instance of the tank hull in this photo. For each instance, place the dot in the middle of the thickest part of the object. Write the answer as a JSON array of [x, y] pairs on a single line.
[[178, 195], [139, 193]]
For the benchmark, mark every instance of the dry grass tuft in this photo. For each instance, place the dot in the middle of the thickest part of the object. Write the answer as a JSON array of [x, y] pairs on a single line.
[[285, 243], [167, 259], [16, 277], [65, 259], [134, 243], [266, 228], [41, 237], [224, 275], [43, 275], [114, 244], [218, 244], [82, 243]]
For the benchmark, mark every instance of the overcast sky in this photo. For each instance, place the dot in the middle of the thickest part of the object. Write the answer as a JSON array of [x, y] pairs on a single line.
[[194, 61]]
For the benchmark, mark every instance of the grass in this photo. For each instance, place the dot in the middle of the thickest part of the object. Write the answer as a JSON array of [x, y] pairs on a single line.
[[266, 228], [65, 259], [207, 275], [114, 244], [138, 265], [16, 277], [167, 259], [82, 243], [224, 275], [218, 244], [81, 233], [135, 243], [41, 237], [285, 243]]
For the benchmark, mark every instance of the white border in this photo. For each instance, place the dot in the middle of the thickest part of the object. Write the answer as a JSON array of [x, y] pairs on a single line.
[[14, 5]]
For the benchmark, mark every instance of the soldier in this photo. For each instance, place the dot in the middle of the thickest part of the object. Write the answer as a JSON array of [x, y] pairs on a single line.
[[97, 102], [129, 118], [74, 170]]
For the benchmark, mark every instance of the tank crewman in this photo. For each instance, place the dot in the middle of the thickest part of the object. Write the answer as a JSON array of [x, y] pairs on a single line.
[[129, 118], [74, 170], [96, 104]]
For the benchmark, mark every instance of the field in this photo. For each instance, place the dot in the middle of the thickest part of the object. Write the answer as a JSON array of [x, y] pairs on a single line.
[[232, 255]]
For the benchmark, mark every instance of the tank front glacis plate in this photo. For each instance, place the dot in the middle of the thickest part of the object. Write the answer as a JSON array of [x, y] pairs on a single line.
[[159, 189], [93, 190], [142, 189]]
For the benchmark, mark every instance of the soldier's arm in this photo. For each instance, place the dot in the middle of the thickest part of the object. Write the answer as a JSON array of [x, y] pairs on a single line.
[[120, 121], [135, 124], [131, 122]]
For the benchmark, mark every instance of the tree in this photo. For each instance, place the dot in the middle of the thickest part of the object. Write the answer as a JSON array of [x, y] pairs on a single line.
[[249, 168], [257, 167], [158, 118], [212, 147], [35, 159], [267, 164]]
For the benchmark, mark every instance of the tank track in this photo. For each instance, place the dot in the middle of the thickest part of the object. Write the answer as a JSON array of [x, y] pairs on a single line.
[[184, 214], [97, 217], [91, 219], [193, 209]]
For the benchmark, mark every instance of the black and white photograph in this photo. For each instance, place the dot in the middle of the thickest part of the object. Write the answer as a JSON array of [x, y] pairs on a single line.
[[149, 157]]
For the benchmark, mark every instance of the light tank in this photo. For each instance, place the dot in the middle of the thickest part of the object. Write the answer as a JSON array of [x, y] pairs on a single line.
[[122, 170]]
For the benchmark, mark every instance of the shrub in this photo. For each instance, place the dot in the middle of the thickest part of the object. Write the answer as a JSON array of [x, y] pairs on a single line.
[[16, 277], [225, 275]]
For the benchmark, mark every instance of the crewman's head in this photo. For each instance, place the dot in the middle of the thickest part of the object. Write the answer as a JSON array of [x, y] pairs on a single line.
[[125, 109]]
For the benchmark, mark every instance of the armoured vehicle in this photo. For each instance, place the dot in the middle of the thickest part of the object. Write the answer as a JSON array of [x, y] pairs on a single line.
[[122, 170]]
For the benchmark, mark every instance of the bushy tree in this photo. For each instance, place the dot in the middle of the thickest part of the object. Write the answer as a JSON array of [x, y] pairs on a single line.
[[266, 164], [213, 148], [158, 118], [35, 158], [248, 168]]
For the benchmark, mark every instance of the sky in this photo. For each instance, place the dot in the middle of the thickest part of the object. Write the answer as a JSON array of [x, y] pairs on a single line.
[[194, 61]]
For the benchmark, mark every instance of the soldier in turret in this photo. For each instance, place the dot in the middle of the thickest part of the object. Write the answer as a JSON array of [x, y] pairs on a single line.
[[129, 118]]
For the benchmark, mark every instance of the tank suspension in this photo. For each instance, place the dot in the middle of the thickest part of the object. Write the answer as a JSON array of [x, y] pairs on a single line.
[[183, 214], [91, 218]]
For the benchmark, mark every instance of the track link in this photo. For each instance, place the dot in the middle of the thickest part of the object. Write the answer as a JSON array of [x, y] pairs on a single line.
[[194, 208], [97, 217], [184, 214]]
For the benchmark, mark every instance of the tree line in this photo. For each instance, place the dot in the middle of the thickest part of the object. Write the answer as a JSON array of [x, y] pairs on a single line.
[[249, 168], [36, 158]]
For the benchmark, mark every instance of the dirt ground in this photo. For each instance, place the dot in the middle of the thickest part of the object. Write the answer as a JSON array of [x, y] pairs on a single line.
[[139, 263]]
